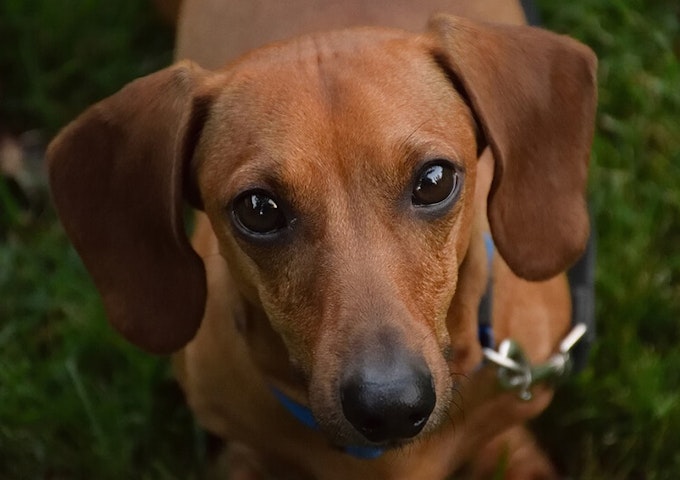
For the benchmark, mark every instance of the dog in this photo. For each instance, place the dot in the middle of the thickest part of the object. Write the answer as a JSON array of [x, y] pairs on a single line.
[[324, 315]]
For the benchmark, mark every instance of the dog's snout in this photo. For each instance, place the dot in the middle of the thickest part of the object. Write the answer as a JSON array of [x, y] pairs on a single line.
[[388, 401]]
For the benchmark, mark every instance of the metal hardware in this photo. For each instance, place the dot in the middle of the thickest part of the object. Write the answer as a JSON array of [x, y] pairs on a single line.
[[515, 372]]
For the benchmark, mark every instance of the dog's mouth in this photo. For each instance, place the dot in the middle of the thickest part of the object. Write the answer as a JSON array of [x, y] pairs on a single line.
[[371, 430], [353, 443], [383, 395]]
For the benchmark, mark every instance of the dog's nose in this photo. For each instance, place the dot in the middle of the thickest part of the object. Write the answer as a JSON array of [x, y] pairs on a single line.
[[390, 400]]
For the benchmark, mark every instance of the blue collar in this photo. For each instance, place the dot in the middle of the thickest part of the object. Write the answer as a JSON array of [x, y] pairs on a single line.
[[304, 416], [484, 321]]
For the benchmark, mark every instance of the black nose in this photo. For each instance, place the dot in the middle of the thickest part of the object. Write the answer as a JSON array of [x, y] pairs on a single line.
[[388, 400]]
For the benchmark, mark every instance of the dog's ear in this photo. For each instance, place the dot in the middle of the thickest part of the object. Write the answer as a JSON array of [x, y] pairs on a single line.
[[117, 175], [534, 94]]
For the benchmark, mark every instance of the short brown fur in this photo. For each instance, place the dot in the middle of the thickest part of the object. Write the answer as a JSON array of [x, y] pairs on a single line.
[[337, 124]]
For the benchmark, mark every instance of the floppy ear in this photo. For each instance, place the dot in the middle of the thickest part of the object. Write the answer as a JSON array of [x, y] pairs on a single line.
[[116, 175], [534, 94]]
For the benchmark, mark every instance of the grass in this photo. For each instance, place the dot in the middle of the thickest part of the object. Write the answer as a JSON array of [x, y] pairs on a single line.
[[76, 401], [621, 417], [68, 54]]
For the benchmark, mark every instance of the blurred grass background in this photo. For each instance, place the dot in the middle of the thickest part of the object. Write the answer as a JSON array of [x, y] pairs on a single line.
[[78, 402]]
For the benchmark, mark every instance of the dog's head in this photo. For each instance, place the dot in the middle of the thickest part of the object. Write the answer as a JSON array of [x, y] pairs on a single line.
[[338, 173]]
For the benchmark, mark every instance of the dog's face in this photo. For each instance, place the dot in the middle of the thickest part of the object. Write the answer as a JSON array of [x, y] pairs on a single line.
[[342, 198], [338, 172]]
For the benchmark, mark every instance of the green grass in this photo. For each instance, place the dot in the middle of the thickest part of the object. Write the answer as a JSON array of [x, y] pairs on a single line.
[[76, 401], [59, 56], [621, 418]]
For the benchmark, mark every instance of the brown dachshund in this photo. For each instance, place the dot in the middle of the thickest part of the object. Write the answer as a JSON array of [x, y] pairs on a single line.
[[327, 313]]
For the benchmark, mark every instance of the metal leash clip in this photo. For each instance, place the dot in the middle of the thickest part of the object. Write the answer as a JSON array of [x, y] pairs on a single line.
[[516, 373]]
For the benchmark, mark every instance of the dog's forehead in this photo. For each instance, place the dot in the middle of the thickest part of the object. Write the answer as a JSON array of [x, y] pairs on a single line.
[[352, 101], [337, 74]]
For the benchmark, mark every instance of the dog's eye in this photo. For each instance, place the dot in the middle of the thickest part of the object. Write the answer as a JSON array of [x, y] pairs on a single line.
[[255, 211], [436, 182]]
